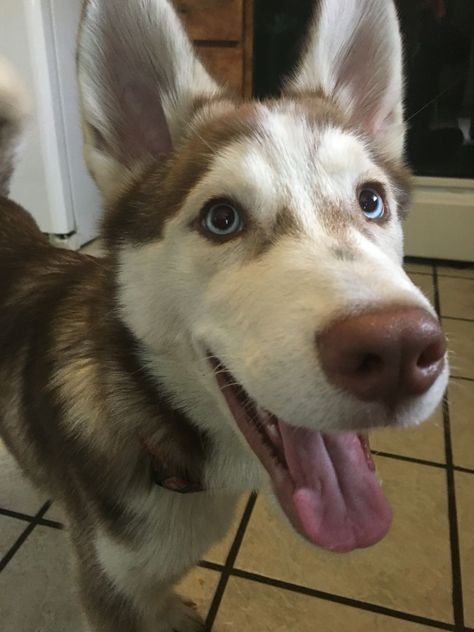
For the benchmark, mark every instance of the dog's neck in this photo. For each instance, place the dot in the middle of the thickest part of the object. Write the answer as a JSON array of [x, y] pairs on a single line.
[[199, 444], [231, 465]]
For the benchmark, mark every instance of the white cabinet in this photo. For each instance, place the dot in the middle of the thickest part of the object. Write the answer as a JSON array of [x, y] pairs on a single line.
[[440, 224]]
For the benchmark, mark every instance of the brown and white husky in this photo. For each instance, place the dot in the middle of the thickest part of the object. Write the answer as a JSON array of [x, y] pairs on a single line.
[[250, 321]]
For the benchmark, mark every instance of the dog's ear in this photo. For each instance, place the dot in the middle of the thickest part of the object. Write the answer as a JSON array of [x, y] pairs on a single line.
[[138, 77], [353, 56]]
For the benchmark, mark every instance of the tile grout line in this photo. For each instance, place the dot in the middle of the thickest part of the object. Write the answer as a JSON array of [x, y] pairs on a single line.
[[211, 566], [428, 274], [339, 599], [18, 515], [457, 594], [408, 459], [450, 276], [440, 274], [52, 524], [412, 459], [229, 563], [444, 263], [458, 318], [23, 536], [332, 597], [453, 521], [460, 377], [464, 470]]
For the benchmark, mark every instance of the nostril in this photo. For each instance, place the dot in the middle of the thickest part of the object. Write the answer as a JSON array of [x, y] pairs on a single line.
[[369, 363], [430, 356]]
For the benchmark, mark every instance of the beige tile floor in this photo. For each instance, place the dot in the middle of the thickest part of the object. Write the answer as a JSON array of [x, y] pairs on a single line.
[[262, 578]]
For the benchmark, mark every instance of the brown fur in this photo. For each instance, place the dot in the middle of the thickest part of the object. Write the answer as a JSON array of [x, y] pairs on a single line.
[[64, 358]]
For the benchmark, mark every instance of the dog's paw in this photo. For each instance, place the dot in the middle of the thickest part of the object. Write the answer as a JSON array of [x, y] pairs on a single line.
[[182, 616]]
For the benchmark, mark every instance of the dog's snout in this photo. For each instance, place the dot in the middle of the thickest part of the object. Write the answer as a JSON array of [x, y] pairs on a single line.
[[384, 355]]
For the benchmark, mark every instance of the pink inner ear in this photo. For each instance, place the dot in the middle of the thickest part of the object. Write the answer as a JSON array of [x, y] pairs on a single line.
[[143, 129], [367, 80]]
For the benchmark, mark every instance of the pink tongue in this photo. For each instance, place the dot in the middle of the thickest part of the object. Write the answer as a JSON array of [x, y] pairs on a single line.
[[337, 502]]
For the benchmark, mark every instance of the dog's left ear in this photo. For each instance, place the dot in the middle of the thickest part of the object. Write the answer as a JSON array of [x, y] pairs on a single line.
[[353, 56], [139, 77]]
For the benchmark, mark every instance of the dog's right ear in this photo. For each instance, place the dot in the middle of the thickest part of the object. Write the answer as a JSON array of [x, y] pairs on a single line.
[[353, 55], [138, 77]]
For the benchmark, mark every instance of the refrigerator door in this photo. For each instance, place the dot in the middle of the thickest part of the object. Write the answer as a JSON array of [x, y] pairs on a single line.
[[51, 180]]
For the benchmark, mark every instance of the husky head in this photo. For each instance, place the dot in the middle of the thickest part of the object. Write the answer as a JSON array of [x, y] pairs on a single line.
[[258, 249]]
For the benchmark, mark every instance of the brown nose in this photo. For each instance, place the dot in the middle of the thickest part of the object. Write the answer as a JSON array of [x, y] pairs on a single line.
[[384, 355]]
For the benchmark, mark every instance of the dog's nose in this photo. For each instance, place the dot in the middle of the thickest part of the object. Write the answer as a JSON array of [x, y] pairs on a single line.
[[385, 355]]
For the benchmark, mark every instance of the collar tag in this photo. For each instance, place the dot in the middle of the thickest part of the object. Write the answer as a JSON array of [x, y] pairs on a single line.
[[175, 484], [164, 478]]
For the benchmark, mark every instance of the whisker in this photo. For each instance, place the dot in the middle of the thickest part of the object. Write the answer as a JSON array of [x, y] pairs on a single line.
[[205, 142]]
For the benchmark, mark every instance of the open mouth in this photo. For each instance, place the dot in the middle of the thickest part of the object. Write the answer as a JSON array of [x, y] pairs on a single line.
[[325, 483]]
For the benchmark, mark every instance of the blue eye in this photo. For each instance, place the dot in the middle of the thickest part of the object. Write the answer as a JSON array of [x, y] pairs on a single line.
[[222, 219], [371, 203]]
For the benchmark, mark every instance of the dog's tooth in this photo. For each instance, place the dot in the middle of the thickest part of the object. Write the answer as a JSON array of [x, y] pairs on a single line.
[[272, 432]]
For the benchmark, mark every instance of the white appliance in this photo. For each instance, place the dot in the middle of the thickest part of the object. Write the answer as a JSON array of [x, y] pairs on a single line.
[[51, 180], [440, 224]]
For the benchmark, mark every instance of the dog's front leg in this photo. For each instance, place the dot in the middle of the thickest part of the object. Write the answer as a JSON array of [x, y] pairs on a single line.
[[170, 613], [133, 607], [127, 578]]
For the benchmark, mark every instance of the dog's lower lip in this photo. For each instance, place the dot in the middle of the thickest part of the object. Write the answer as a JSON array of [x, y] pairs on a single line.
[[364, 440], [270, 427], [266, 423], [262, 421]]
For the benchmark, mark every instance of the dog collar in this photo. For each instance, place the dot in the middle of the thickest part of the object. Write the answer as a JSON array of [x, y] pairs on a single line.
[[175, 483], [166, 479]]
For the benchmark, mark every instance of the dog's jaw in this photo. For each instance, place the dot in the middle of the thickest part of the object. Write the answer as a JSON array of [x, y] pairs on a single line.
[[325, 484]]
